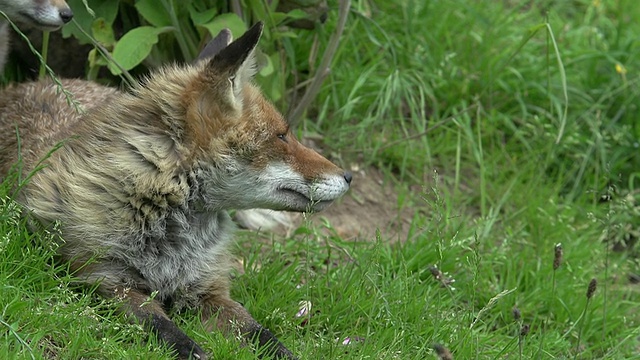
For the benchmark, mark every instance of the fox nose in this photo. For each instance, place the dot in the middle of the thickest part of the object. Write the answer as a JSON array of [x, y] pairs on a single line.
[[66, 15], [348, 177]]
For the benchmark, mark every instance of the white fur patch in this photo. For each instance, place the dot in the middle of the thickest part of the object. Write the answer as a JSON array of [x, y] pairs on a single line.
[[242, 77], [327, 188], [262, 219], [277, 187]]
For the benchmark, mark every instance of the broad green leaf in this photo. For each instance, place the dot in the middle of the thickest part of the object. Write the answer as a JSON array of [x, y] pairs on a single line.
[[284, 35], [103, 33], [268, 78], [267, 63], [201, 17], [102, 9], [153, 12], [297, 14], [135, 46], [278, 17], [96, 59], [230, 21]]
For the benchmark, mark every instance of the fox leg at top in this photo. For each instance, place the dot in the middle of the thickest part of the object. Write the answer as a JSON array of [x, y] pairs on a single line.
[[232, 318]]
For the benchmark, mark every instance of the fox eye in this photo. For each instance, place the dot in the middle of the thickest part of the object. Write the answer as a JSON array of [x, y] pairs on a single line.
[[283, 137]]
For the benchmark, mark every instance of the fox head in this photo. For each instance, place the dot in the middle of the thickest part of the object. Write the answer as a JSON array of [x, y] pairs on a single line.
[[245, 154], [46, 15]]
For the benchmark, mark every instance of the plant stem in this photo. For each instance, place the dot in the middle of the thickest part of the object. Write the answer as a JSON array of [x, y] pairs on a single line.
[[324, 68], [582, 318], [104, 52], [45, 50], [188, 49]]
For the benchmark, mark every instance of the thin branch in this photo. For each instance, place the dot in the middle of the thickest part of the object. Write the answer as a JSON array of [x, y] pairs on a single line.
[[104, 52], [45, 53], [324, 68]]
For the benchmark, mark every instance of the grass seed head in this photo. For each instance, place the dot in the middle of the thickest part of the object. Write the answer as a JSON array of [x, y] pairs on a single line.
[[443, 352], [524, 330], [557, 259], [437, 274], [593, 285], [444, 280], [516, 313]]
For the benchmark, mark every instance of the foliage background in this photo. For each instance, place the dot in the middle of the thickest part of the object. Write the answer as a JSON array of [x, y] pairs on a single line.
[[517, 122]]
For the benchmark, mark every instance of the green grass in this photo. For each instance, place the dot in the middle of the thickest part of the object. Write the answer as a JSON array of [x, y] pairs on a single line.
[[476, 92]]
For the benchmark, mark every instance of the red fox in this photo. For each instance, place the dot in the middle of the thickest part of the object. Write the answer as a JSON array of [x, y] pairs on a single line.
[[142, 183], [45, 15]]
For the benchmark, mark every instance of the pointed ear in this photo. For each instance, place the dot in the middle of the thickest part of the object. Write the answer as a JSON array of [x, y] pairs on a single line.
[[232, 58], [235, 64], [221, 41]]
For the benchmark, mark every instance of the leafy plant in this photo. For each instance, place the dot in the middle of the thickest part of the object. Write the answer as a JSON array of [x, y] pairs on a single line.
[[134, 35]]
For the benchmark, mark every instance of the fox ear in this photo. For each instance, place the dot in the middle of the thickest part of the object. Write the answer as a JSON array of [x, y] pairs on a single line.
[[236, 61], [215, 45]]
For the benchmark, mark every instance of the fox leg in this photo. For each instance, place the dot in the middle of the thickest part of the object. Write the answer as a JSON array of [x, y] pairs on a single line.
[[151, 314], [234, 319]]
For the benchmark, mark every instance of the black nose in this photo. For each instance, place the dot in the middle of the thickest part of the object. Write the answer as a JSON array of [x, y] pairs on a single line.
[[348, 177], [66, 15]]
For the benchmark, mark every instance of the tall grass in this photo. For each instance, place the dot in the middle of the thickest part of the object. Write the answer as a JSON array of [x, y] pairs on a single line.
[[525, 111]]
